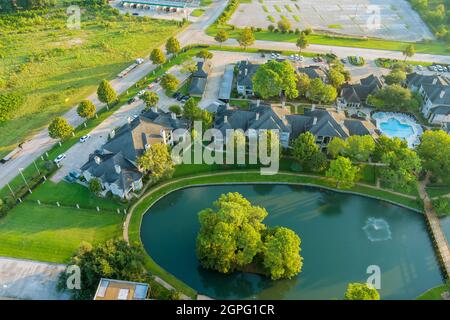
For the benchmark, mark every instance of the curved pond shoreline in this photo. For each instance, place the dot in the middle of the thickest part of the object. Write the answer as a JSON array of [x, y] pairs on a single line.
[[155, 202]]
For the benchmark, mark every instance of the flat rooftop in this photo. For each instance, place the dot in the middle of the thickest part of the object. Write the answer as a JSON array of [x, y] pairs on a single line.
[[109, 289]]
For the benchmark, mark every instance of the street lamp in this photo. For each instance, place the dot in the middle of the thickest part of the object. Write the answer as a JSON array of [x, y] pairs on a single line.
[[25, 180]]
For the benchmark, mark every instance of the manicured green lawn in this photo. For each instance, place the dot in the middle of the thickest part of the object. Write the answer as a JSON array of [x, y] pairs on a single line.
[[197, 12], [53, 67], [434, 293], [71, 194], [49, 233]]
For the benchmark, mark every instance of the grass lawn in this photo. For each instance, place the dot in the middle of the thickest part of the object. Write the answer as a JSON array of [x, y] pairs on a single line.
[[438, 191], [54, 67], [197, 12], [49, 233], [69, 195], [434, 293]]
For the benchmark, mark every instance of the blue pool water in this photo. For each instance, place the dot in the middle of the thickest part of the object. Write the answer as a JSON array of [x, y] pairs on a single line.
[[393, 128]]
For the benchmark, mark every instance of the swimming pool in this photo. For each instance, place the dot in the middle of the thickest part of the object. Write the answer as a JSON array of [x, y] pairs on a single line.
[[399, 125], [394, 128]]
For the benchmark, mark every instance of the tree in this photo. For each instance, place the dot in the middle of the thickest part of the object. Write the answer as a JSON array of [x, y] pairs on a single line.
[[233, 236], [86, 109], [303, 83], [336, 78], [157, 56], [402, 166], [150, 98], [396, 76], [176, 109], [409, 51], [440, 205], [204, 54], [284, 25], [170, 82], [336, 147], [59, 128], [393, 98], [95, 186], [434, 151], [266, 82], [172, 46], [189, 66], [320, 92], [304, 147], [361, 291], [273, 78], [359, 148], [246, 38], [342, 172], [318, 162], [221, 36], [106, 93], [282, 253], [157, 161], [114, 259], [302, 42], [230, 237]]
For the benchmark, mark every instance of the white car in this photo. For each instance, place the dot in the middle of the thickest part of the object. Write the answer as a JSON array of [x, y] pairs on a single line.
[[60, 158], [139, 61], [140, 93], [85, 138]]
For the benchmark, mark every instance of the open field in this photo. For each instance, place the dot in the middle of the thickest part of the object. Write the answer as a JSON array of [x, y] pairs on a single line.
[[49, 233], [53, 67], [386, 19]]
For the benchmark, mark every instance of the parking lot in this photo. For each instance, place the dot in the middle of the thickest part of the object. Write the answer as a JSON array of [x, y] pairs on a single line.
[[386, 19], [79, 153]]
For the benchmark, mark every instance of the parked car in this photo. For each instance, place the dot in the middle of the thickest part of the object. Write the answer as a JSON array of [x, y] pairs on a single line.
[[69, 179], [85, 138], [75, 175], [139, 61], [151, 85], [135, 13], [131, 100], [140, 93], [176, 95], [59, 158]]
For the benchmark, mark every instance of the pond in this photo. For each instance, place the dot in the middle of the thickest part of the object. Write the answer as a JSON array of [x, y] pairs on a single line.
[[342, 235]]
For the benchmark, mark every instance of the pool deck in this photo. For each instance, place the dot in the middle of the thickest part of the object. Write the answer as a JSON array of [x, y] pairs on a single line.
[[439, 240]]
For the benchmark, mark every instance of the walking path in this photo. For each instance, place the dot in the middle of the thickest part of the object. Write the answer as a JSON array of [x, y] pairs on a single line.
[[438, 236]]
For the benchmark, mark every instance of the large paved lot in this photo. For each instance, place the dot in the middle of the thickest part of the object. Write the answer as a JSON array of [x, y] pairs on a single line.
[[397, 20], [31, 280]]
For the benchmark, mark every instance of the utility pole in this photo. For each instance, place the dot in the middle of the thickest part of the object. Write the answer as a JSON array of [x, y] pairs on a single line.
[[25, 180]]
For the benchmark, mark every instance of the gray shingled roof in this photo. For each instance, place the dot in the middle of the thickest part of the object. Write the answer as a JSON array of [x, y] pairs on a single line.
[[314, 72], [198, 86], [437, 94], [203, 69], [227, 83], [416, 79], [243, 78], [444, 110], [358, 93], [106, 169]]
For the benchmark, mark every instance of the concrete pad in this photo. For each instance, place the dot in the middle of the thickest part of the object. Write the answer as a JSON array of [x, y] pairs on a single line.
[[30, 280]]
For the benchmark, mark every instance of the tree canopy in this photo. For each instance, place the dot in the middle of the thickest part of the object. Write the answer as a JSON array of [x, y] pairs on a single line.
[[233, 236], [150, 98], [170, 82], [204, 54], [106, 93], [393, 98], [59, 128], [114, 259], [221, 36], [246, 38], [157, 161], [342, 172], [357, 148], [321, 92], [273, 78], [304, 147], [157, 56], [361, 291], [434, 151], [86, 109], [172, 45]]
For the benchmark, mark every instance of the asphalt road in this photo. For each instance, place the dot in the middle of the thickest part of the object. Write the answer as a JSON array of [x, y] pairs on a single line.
[[194, 34]]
